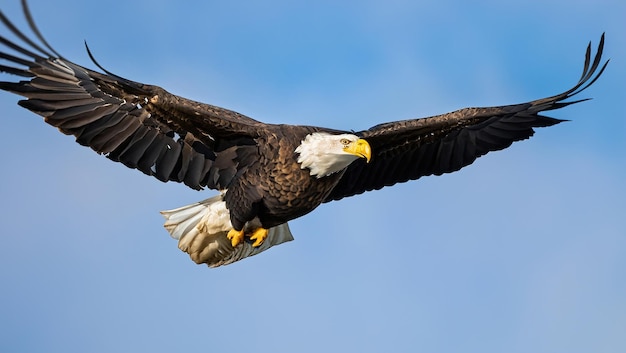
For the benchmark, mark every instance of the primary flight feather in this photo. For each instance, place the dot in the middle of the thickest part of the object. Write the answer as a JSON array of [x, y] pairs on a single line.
[[266, 174]]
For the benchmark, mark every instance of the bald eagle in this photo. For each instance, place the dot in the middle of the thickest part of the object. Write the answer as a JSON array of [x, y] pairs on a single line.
[[266, 174]]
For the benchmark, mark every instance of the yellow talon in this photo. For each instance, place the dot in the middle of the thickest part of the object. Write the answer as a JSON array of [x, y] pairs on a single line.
[[235, 237], [259, 236]]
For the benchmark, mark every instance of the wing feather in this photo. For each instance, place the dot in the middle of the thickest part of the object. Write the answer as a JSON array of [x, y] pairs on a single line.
[[142, 126], [409, 149], [135, 147]]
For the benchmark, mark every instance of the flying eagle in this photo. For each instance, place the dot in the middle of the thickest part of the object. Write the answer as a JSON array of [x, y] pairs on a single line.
[[266, 174]]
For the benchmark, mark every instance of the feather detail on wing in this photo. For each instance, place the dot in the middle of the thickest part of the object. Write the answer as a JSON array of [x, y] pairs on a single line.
[[141, 126], [409, 149]]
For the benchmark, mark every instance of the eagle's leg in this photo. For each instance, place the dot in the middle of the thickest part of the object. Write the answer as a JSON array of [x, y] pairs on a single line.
[[258, 236], [235, 237]]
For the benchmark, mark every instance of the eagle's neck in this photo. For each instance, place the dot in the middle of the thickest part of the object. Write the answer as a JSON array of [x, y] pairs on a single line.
[[319, 153]]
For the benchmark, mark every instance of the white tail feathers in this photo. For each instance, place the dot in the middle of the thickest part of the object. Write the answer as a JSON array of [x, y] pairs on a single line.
[[201, 229], [193, 218]]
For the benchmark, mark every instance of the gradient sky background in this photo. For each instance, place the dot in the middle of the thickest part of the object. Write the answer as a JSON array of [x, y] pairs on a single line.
[[523, 251]]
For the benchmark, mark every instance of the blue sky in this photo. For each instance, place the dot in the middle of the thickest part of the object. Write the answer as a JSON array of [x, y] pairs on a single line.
[[523, 251]]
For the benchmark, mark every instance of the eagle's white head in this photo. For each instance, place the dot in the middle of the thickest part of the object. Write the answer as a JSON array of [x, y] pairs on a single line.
[[324, 154]]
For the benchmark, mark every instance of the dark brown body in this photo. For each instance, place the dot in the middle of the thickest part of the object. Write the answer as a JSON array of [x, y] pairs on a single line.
[[273, 186]]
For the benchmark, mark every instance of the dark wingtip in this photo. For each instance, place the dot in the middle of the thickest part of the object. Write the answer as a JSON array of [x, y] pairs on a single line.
[[592, 70], [35, 29], [18, 33], [590, 74], [93, 59]]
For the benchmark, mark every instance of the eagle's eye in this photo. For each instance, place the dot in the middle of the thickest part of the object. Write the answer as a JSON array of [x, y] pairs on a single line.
[[345, 142]]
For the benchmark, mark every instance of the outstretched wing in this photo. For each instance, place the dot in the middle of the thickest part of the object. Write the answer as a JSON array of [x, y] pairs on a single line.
[[407, 150], [142, 126]]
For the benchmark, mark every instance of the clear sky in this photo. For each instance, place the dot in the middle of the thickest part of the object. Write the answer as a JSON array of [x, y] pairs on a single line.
[[523, 251]]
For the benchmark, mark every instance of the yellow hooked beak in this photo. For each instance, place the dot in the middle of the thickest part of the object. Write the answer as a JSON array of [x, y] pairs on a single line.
[[360, 148]]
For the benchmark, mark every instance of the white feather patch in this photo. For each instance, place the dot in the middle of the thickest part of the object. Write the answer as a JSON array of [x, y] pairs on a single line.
[[201, 230], [322, 153], [208, 216]]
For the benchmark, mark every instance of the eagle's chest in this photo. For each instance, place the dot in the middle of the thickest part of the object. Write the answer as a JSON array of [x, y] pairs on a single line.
[[291, 191]]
